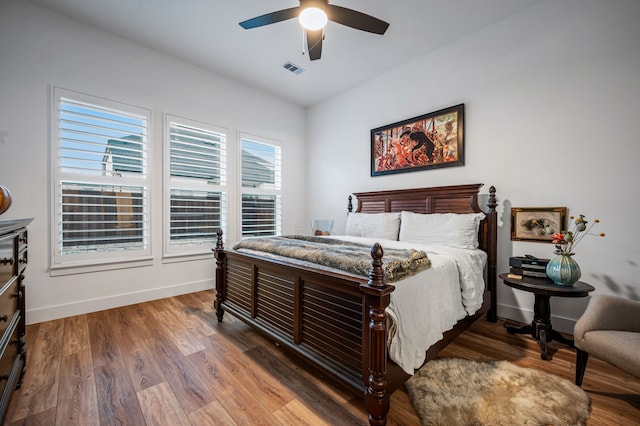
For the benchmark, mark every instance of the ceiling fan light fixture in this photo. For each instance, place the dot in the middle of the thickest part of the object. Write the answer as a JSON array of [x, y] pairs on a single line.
[[313, 18]]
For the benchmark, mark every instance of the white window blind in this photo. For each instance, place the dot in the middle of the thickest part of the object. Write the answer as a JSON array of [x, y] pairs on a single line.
[[197, 154], [198, 184], [100, 179], [102, 218], [261, 187]]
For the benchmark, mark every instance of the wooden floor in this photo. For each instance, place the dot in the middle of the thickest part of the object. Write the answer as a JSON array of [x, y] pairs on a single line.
[[169, 362]]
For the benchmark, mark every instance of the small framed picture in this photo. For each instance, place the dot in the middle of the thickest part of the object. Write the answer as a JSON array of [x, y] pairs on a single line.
[[533, 223]]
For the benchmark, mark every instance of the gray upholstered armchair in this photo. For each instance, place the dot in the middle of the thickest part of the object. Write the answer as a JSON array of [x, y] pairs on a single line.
[[609, 329]]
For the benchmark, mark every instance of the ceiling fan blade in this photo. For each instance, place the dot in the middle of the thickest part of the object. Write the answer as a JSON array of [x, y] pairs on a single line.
[[314, 43], [354, 19], [271, 18]]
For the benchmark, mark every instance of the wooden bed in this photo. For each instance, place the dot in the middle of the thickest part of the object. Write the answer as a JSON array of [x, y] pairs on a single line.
[[337, 321]]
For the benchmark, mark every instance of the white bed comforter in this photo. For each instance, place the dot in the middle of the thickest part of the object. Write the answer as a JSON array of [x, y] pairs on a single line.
[[426, 305]]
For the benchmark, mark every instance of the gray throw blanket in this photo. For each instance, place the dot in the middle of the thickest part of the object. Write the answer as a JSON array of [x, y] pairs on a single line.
[[343, 255]]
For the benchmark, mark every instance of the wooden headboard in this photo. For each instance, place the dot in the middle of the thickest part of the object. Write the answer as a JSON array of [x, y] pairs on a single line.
[[442, 199]]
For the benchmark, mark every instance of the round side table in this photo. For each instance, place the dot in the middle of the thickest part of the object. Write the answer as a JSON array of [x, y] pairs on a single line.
[[543, 289]]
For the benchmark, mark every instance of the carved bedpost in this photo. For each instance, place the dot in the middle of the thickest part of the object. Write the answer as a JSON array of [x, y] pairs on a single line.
[[350, 204], [492, 215], [377, 295], [220, 283]]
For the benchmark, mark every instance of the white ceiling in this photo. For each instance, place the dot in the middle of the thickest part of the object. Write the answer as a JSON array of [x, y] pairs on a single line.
[[206, 33]]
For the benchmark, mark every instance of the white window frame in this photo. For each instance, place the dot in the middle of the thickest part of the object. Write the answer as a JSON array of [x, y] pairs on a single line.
[[276, 191], [177, 252], [62, 264]]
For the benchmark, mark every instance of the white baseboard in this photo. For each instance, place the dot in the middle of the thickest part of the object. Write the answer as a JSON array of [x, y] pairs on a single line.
[[49, 313], [561, 324]]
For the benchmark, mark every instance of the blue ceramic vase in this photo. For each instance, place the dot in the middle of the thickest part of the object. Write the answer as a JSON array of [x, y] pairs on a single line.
[[563, 270]]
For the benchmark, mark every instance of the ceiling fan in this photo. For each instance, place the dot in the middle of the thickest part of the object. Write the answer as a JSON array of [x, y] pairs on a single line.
[[313, 16]]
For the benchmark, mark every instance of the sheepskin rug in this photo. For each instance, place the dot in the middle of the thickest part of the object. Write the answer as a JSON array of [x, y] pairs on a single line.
[[451, 391]]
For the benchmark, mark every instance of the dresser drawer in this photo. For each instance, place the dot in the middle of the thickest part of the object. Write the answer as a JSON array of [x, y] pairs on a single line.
[[22, 240], [8, 361], [22, 260], [8, 303], [22, 251], [7, 260]]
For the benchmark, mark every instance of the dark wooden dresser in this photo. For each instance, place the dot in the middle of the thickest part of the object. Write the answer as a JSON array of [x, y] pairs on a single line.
[[13, 261]]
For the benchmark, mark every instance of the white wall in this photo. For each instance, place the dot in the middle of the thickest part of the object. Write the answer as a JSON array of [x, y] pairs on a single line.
[[552, 103], [39, 48]]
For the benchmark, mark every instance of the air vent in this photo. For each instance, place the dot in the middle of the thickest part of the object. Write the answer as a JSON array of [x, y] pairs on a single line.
[[293, 68]]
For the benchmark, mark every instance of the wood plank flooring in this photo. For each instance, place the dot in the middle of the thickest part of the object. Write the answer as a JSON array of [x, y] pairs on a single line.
[[169, 362]]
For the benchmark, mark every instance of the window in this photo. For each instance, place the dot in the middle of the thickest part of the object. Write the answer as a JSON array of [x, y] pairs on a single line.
[[100, 181], [197, 176], [261, 187]]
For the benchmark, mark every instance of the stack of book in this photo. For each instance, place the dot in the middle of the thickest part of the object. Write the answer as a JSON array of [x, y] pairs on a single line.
[[528, 266]]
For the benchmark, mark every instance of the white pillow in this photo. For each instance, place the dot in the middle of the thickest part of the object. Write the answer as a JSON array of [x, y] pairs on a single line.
[[451, 229], [374, 225]]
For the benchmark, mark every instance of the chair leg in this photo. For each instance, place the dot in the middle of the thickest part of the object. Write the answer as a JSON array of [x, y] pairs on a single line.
[[581, 365]]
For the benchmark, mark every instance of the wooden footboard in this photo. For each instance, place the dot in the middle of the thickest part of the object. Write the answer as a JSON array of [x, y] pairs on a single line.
[[337, 321]]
